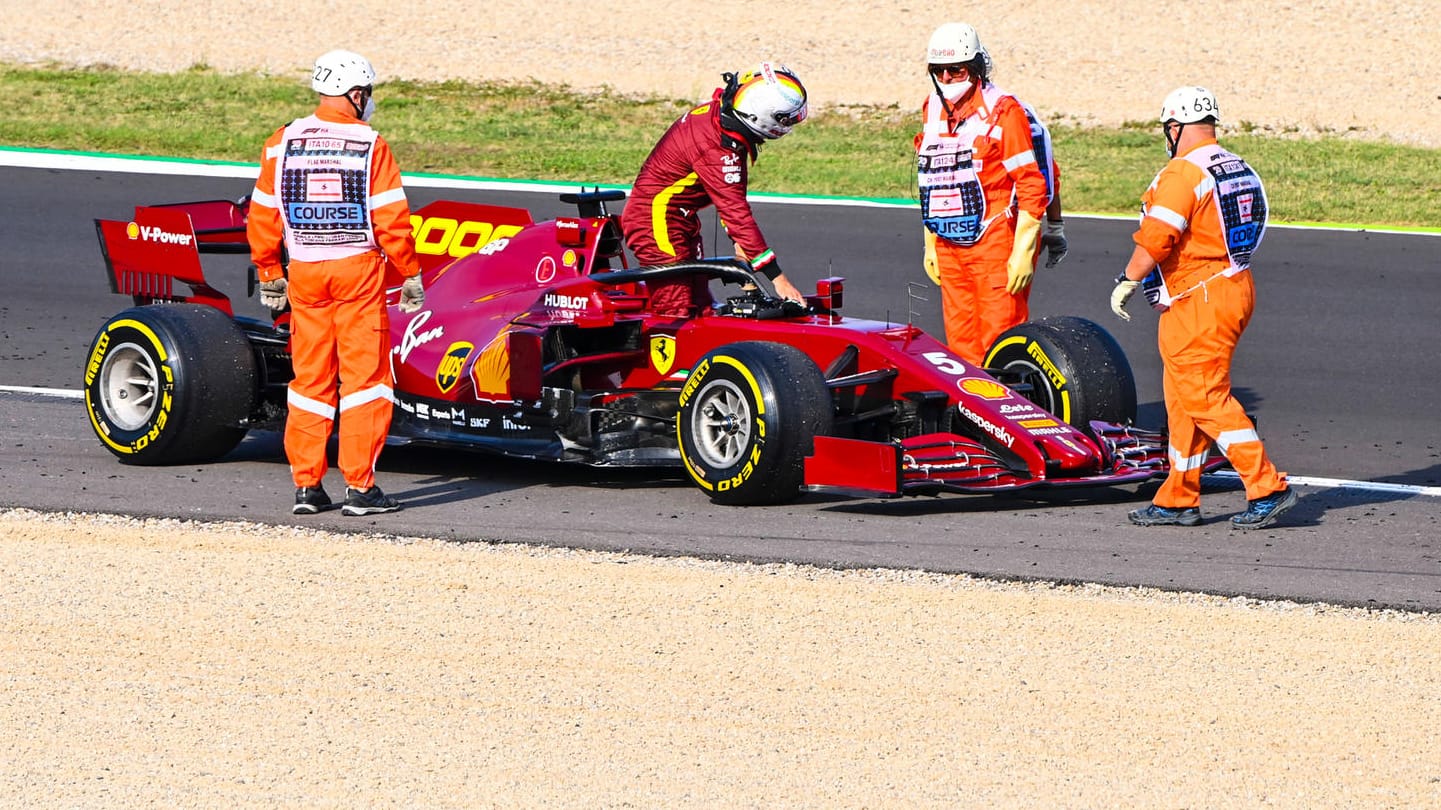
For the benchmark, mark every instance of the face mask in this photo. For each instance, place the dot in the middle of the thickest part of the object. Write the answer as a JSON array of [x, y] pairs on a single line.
[[952, 92], [369, 109]]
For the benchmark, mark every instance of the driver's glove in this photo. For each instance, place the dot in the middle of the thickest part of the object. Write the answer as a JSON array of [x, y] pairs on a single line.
[[412, 295], [273, 294]]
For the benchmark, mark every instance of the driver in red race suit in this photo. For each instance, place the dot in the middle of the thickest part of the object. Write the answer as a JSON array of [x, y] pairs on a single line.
[[700, 161]]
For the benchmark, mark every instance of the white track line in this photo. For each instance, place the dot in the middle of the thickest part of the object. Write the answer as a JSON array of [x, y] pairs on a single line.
[[1298, 480], [1343, 483], [44, 392]]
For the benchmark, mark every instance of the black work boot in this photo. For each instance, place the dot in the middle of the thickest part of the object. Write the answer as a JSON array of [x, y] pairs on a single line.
[[310, 500], [367, 502]]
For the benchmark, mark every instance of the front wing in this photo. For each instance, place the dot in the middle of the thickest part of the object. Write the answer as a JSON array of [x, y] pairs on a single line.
[[946, 462]]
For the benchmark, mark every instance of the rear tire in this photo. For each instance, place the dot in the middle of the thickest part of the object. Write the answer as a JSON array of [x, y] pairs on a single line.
[[170, 384], [1070, 366], [748, 418]]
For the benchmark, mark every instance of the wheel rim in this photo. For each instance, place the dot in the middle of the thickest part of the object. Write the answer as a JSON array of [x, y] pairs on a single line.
[[1037, 385], [721, 425], [129, 386]]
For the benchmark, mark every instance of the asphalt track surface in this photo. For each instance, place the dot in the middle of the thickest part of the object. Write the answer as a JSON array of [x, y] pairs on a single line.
[[1340, 365]]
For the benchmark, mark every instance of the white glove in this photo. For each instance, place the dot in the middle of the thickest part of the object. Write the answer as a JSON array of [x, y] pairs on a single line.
[[1125, 288], [273, 295], [412, 295], [1054, 241]]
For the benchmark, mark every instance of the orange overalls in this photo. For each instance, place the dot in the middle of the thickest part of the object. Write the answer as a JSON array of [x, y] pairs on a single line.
[[1211, 296], [330, 190], [974, 167]]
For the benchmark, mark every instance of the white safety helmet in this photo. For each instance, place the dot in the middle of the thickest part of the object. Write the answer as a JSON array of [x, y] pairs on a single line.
[[769, 100], [1187, 105], [339, 72], [953, 43]]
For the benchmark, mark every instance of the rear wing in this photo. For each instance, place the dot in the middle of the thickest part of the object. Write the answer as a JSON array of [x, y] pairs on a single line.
[[146, 256]]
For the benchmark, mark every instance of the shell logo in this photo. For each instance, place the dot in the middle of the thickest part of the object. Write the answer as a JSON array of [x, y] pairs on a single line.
[[132, 231], [987, 389]]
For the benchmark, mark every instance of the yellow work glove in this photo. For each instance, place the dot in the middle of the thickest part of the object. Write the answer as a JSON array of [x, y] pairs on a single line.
[[1021, 266], [932, 265]]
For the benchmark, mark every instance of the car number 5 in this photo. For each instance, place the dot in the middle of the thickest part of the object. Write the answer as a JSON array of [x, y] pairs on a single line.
[[945, 363]]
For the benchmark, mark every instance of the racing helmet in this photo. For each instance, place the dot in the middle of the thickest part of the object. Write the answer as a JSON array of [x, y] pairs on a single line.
[[769, 101], [338, 72], [953, 43], [1188, 105]]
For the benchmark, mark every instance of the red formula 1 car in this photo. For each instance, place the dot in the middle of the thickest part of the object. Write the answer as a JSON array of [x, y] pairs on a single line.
[[536, 341]]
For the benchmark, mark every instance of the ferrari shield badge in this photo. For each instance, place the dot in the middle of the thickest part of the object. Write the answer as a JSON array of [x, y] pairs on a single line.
[[662, 353]]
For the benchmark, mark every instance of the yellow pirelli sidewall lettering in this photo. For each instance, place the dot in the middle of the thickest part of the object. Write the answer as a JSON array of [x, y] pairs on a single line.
[[693, 382], [1044, 361], [167, 399], [92, 365]]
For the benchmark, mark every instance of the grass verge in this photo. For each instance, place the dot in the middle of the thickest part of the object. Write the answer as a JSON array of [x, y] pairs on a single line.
[[543, 132]]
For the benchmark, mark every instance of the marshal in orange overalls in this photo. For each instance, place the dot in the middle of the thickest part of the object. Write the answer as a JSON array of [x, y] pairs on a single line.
[[981, 148], [330, 191], [1182, 231]]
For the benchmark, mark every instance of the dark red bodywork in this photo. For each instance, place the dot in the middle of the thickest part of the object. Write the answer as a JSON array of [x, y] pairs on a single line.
[[535, 341]]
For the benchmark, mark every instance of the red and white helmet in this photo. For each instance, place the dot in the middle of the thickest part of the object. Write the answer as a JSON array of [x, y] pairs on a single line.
[[769, 100], [339, 72], [1187, 105]]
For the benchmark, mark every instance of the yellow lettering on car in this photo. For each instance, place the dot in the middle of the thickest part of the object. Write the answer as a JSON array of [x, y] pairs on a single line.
[[443, 236]]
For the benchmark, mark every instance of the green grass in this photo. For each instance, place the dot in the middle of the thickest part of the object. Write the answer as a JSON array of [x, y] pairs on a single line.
[[540, 132]]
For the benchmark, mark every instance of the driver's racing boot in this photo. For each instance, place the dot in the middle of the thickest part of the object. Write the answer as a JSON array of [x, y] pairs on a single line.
[[1262, 512], [1154, 515]]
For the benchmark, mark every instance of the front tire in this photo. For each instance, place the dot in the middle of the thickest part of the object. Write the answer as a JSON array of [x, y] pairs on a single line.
[[1070, 366], [749, 414], [170, 384]]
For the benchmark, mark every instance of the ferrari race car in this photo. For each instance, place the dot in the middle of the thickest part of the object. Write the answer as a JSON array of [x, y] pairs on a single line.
[[536, 341]]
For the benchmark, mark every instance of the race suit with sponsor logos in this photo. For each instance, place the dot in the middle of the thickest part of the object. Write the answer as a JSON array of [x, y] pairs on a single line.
[[330, 193], [696, 163], [975, 166], [1203, 216]]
